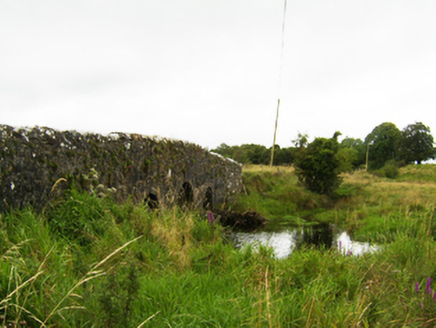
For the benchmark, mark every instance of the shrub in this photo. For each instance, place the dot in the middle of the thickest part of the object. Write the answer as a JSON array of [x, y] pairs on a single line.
[[318, 167], [390, 170]]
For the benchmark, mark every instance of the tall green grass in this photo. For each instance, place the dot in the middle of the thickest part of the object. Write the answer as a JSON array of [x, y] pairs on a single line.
[[276, 194], [419, 173], [89, 262]]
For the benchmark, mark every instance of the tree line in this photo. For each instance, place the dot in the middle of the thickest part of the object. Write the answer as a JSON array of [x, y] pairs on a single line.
[[320, 162], [386, 143]]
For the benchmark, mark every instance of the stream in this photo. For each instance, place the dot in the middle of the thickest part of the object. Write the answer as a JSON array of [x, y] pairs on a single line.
[[284, 240]]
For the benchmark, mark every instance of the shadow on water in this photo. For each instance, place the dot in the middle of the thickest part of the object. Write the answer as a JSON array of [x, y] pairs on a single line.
[[285, 239]]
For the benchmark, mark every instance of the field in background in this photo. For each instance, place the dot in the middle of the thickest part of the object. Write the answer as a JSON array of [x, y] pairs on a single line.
[[86, 261], [267, 168]]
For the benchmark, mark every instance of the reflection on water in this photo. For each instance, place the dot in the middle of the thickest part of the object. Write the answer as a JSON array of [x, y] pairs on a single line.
[[349, 247], [285, 241], [320, 235], [282, 242]]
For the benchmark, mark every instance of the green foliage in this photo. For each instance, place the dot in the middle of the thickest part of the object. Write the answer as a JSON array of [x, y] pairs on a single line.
[[301, 141], [383, 141], [256, 154], [386, 143], [416, 144], [144, 283], [276, 194], [387, 228], [346, 190], [79, 219], [284, 156], [252, 154], [346, 158], [351, 143], [225, 150], [116, 294], [355, 152], [389, 170], [318, 166], [245, 154]]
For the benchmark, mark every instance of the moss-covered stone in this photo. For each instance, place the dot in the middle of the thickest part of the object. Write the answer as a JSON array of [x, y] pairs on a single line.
[[39, 163]]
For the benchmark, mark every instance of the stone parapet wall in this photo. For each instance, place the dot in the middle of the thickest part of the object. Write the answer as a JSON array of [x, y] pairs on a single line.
[[38, 163]]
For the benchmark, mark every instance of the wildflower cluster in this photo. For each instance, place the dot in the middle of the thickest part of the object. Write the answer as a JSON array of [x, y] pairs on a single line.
[[427, 291]]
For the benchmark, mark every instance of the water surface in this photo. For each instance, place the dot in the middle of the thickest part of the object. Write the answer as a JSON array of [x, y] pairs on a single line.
[[286, 239]]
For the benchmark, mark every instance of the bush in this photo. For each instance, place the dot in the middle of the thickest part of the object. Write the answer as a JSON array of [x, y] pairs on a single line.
[[390, 171], [318, 167]]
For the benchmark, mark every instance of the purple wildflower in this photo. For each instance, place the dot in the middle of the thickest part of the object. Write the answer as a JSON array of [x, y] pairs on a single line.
[[428, 286], [210, 217], [417, 287], [340, 245], [434, 295], [420, 305], [349, 253]]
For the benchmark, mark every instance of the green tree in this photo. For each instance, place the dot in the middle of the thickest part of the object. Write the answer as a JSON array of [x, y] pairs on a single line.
[[318, 167], [346, 157], [301, 141], [225, 150], [383, 144], [248, 154], [351, 142], [255, 154], [416, 143], [284, 156], [354, 152]]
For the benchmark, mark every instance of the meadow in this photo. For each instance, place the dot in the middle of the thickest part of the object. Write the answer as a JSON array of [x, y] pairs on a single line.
[[86, 261]]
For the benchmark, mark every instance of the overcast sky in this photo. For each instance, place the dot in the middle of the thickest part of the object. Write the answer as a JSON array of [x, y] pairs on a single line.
[[207, 71]]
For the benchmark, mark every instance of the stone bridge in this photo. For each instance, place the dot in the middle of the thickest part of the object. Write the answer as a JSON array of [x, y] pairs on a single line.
[[38, 164]]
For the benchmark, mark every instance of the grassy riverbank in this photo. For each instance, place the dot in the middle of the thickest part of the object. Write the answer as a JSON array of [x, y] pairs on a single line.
[[370, 207], [86, 261]]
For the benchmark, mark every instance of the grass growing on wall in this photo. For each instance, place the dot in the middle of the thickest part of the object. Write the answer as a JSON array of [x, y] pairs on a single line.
[[89, 262]]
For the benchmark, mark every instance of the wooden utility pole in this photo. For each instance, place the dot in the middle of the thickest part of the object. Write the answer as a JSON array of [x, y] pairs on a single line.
[[367, 158], [275, 133], [280, 82]]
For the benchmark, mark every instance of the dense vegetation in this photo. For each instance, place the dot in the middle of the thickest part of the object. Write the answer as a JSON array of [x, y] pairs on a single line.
[[85, 261], [318, 166], [386, 144]]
